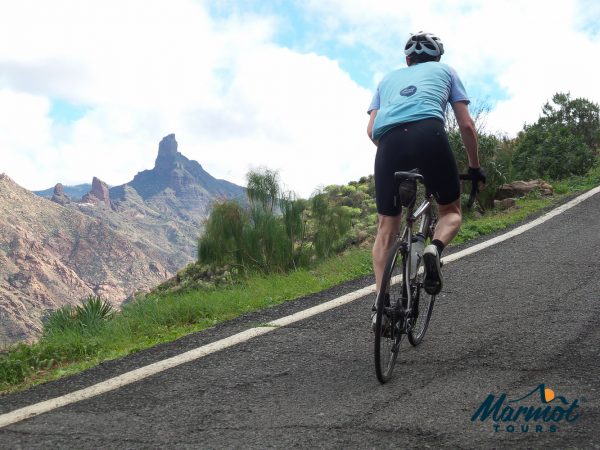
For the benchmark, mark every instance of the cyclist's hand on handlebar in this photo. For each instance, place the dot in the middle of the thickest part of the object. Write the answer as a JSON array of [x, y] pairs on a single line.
[[477, 174]]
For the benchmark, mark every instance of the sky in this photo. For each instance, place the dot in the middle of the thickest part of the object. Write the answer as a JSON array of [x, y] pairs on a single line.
[[89, 88]]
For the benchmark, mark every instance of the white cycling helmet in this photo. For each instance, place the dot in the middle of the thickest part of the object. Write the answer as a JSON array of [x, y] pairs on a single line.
[[423, 42]]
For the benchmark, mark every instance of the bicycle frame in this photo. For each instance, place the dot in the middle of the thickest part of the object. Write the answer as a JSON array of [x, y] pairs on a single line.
[[398, 310], [423, 212]]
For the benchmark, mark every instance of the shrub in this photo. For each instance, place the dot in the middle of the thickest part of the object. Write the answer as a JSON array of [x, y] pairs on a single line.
[[93, 312], [490, 153], [330, 224], [562, 143]]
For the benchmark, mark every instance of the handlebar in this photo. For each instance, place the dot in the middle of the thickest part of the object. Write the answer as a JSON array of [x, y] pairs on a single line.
[[474, 188]]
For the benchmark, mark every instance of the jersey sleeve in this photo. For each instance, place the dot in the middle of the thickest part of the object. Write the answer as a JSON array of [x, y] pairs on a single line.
[[375, 103], [458, 92]]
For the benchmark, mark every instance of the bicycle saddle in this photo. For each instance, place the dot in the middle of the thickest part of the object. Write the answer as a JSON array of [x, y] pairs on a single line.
[[411, 175]]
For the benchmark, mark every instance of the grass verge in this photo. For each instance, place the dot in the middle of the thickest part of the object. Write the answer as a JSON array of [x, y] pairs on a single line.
[[164, 317]]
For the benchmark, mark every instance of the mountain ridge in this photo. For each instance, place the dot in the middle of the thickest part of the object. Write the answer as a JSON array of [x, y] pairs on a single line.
[[173, 170], [113, 242], [60, 259]]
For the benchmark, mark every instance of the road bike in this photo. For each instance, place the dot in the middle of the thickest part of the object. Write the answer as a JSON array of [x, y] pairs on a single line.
[[403, 306]]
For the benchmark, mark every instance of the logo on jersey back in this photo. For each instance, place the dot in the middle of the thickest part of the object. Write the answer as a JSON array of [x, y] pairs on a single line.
[[408, 91]]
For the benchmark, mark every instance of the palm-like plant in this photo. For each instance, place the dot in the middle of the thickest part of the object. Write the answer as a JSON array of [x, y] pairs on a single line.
[[92, 313]]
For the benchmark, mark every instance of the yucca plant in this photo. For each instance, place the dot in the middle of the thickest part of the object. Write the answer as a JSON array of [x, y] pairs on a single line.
[[93, 312]]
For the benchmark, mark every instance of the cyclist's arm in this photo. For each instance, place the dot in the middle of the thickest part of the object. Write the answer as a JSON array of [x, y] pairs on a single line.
[[468, 132], [372, 116]]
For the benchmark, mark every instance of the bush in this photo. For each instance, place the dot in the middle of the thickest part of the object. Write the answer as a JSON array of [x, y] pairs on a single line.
[[491, 155], [277, 231], [562, 143], [330, 225]]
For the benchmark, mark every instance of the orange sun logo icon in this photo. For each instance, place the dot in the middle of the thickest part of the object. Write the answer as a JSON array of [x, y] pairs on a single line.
[[548, 395]]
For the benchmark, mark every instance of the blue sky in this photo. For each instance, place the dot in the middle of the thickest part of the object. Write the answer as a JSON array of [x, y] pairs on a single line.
[[89, 88], [66, 112], [299, 30]]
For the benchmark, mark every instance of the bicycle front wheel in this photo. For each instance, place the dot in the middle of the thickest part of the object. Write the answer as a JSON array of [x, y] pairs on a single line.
[[422, 307], [389, 322]]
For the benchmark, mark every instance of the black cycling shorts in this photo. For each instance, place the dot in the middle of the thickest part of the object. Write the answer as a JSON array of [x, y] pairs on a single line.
[[419, 145]]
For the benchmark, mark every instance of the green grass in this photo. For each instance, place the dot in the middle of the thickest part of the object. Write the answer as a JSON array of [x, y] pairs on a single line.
[[491, 222], [166, 316], [579, 183]]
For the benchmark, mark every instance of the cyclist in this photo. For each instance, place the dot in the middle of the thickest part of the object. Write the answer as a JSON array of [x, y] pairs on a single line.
[[406, 123]]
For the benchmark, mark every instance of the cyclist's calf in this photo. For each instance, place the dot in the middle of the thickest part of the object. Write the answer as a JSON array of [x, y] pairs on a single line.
[[449, 221], [387, 230]]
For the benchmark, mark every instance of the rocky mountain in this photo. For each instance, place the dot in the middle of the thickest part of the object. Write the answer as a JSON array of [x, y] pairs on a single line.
[[110, 242], [51, 256], [177, 186]]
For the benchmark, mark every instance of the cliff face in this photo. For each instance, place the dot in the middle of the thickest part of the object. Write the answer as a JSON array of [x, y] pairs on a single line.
[[99, 194], [51, 256]]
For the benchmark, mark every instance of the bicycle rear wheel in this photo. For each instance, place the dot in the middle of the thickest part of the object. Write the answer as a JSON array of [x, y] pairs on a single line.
[[422, 306], [389, 321]]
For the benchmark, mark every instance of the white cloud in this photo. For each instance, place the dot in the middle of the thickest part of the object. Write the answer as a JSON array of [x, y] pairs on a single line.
[[25, 133], [298, 113], [144, 69], [529, 48]]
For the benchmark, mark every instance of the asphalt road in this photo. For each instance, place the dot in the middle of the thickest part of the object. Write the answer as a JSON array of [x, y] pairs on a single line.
[[511, 317]]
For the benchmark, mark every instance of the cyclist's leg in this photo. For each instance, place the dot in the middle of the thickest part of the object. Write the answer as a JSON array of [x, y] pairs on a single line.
[[449, 221], [387, 230], [448, 225], [391, 156]]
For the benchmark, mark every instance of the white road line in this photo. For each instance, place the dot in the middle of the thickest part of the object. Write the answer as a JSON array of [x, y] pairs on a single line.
[[160, 366], [130, 377], [523, 228], [301, 315]]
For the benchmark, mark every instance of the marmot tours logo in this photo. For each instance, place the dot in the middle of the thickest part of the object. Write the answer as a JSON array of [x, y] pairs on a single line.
[[538, 411]]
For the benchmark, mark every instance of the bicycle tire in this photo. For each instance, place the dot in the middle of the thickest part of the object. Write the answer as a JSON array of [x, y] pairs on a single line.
[[388, 337], [423, 304], [422, 301]]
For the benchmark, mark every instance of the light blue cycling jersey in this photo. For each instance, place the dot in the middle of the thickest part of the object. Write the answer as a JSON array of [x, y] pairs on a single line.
[[420, 91]]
